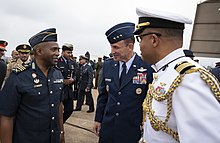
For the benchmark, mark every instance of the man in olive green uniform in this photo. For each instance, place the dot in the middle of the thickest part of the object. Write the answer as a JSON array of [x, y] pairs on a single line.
[[23, 54]]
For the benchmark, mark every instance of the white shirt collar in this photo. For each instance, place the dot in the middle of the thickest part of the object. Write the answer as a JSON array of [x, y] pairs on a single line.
[[128, 63], [64, 58], [173, 55]]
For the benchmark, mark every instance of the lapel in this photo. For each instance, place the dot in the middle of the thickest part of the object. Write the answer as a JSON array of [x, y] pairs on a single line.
[[115, 69], [131, 73]]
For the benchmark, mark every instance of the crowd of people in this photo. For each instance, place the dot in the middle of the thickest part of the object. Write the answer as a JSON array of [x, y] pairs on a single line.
[[162, 96]]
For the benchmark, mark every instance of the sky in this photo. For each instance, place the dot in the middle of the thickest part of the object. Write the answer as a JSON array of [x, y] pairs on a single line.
[[82, 23]]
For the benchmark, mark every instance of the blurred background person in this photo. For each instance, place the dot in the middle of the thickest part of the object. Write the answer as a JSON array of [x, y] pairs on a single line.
[[22, 59], [67, 68], [98, 67], [85, 85], [3, 66]]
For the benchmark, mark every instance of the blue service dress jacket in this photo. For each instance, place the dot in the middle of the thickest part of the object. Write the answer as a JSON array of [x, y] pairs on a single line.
[[85, 77], [33, 100], [119, 108]]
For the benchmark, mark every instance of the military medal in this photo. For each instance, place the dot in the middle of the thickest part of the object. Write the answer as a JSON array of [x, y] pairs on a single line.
[[160, 90], [138, 91], [34, 75], [36, 81]]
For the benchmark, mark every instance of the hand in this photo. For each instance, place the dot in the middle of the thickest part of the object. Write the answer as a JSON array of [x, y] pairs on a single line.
[[87, 89], [68, 81], [96, 128]]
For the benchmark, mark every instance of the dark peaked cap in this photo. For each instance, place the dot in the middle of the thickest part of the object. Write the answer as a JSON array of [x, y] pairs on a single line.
[[120, 32], [23, 48], [83, 57], [3, 44], [67, 47], [44, 36]]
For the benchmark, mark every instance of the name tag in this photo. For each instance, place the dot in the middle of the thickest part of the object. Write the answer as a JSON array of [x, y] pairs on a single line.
[[108, 79], [37, 85], [58, 81]]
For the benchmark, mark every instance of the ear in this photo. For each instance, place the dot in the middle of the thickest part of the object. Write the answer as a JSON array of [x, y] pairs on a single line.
[[38, 51], [131, 46], [155, 40]]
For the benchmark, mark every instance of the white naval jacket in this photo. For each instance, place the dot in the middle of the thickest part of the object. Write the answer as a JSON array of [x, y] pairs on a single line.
[[195, 113]]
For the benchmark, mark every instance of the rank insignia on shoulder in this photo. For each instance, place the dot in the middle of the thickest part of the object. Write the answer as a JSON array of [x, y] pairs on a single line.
[[142, 69], [18, 68], [182, 67]]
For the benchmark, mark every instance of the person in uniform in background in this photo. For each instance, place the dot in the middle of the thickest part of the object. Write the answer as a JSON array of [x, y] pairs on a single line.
[[100, 71], [23, 55], [14, 56], [216, 71], [124, 83], [3, 66], [99, 65], [31, 56], [90, 62], [85, 85], [67, 68], [182, 101], [30, 101]]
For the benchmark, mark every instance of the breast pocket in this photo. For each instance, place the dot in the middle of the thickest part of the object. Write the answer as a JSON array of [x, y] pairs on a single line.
[[160, 109], [32, 94], [58, 91], [33, 90]]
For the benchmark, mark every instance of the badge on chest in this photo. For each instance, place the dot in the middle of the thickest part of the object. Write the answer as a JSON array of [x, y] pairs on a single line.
[[36, 81]]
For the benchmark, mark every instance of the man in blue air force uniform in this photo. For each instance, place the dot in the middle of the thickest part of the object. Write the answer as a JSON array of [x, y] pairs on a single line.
[[30, 106], [85, 85], [68, 70], [124, 83]]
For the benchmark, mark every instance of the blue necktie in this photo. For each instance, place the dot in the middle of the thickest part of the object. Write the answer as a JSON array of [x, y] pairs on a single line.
[[123, 73]]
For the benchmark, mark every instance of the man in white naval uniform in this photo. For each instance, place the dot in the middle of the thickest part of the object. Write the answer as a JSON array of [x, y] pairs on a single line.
[[182, 104]]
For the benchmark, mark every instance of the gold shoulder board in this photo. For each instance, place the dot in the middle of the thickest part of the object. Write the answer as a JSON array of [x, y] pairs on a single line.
[[184, 67], [18, 68]]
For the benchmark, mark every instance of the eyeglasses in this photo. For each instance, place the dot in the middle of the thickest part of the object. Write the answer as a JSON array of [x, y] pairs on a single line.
[[139, 38]]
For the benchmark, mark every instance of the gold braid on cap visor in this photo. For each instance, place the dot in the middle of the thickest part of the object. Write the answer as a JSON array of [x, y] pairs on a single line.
[[142, 25]]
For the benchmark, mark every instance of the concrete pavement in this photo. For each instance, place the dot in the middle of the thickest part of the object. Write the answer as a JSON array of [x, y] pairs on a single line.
[[78, 128]]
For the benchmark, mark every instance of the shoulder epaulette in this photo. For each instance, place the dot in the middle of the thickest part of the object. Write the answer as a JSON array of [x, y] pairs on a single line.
[[19, 68], [184, 67]]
